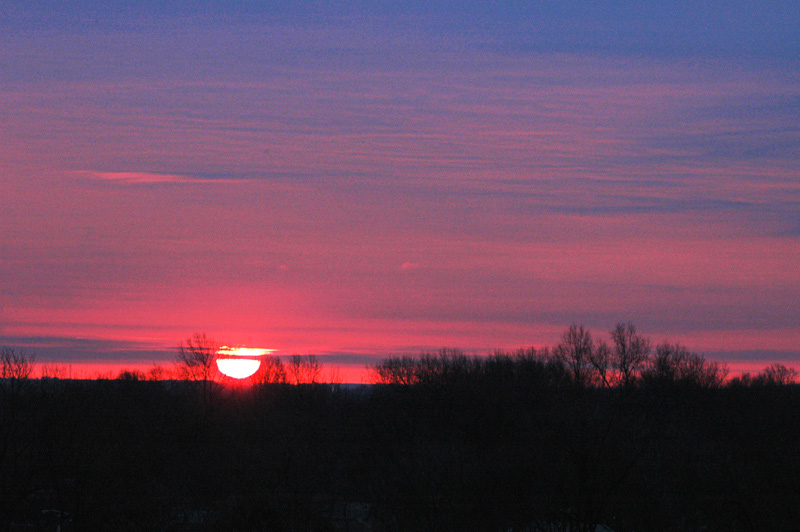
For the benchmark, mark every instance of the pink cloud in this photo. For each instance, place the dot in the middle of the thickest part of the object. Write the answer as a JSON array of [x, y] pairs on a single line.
[[541, 189]]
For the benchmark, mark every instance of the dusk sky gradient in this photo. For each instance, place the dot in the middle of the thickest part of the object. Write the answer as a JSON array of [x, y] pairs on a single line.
[[359, 179]]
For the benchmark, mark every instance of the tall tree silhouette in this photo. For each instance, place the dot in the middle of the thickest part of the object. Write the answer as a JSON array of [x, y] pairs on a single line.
[[577, 352], [630, 353], [196, 361], [303, 369], [271, 371], [15, 364]]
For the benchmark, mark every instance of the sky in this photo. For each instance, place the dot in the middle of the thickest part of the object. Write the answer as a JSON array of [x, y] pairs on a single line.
[[364, 179]]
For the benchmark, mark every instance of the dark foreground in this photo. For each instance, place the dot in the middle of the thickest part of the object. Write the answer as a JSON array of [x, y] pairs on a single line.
[[510, 449]]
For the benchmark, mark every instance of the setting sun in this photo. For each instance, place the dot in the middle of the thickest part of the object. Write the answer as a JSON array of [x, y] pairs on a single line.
[[239, 362]]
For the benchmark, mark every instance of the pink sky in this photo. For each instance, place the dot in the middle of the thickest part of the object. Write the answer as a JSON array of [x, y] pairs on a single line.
[[355, 187]]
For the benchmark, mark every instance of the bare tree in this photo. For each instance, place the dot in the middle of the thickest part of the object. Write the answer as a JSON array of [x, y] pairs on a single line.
[[130, 375], [196, 362], [576, 352], [777, 374], [396, 370], [303, 369], [705, 373], [630, 353], [271, 371], [600, 359], [15, 365], [666, 363], [196, 359], [54, 371], [674, 363], [157, 373]]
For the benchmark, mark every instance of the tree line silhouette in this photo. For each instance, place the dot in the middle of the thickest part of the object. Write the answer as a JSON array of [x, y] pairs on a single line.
[[586, 434]]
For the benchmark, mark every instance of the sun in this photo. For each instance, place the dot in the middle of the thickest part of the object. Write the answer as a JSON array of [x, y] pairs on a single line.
[[240, 362]]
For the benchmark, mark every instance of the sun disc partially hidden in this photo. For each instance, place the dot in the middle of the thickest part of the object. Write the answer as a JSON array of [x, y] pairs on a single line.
[[239, 362], [238, 368]]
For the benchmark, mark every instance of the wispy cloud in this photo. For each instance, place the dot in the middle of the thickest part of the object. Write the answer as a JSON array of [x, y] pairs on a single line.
[[151, 178]]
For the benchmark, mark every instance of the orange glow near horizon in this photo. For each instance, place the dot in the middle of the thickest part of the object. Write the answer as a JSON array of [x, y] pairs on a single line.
[[351, 374], [332, 373]]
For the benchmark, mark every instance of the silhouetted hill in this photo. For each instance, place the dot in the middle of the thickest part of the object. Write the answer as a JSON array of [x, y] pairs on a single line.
[[504, 443]]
